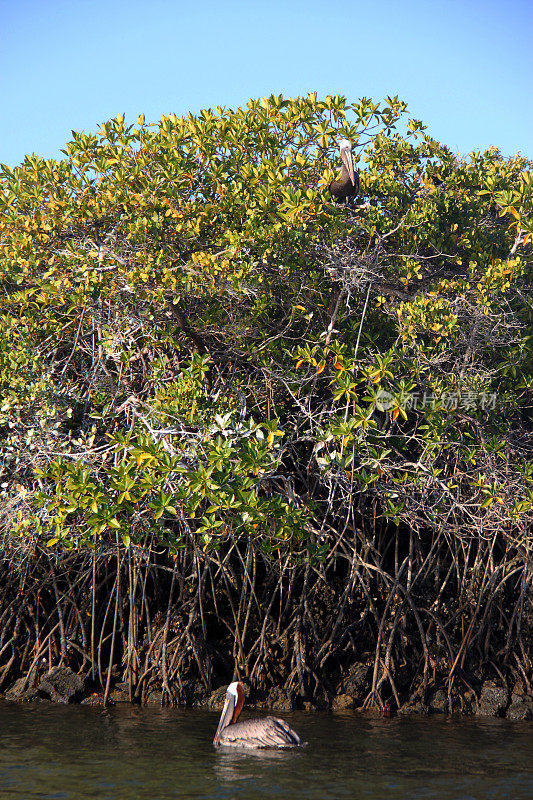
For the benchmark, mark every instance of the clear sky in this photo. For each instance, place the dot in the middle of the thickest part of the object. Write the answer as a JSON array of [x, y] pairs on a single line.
[[465, 67]]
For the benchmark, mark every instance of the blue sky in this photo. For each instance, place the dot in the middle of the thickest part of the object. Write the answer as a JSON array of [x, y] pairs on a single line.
[[465, 67]]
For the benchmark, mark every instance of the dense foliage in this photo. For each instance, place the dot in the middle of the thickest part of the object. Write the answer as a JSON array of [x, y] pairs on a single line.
[[314, 419]]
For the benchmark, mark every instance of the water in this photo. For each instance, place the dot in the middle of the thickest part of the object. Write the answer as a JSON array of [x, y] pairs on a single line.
[[87, 753]]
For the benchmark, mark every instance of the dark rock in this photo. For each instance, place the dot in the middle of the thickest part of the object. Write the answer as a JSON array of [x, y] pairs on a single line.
[[493, 700], [216, 699], [284, 703], [438, 702], [20, 692], [521, 707], [120, 693], [276, 700], [197, 697], [372, 711], [342, 702], [16, 691], [94, 699], [154, 697], [466, 703], [356, 681], [62, 685], [414, 706]]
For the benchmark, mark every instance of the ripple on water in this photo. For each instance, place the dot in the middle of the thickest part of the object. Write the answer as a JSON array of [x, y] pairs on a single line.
[[78, 752]]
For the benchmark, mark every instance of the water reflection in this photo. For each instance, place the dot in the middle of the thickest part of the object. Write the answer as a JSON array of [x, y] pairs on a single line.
[[232, 764]]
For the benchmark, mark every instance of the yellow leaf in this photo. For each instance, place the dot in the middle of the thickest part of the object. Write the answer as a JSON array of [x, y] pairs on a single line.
[[320, 367], [299, 363], [52, 542], [514, 212], [270, 439]]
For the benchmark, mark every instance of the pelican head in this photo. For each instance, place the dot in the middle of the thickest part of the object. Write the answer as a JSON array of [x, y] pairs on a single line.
[[345, 149], [232, 708]]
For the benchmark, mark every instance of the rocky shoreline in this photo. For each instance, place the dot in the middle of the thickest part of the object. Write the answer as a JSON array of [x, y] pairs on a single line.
[[63, 685]]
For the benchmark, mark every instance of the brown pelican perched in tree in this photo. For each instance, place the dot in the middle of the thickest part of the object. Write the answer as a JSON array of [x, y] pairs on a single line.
[[348, 184], [253, 733]]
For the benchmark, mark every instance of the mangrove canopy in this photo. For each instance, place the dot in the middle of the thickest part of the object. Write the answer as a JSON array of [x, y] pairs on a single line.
[[246, 432]]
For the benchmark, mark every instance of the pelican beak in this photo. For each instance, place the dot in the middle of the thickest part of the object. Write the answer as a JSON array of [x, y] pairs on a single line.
[[347, 161], [225, 717]]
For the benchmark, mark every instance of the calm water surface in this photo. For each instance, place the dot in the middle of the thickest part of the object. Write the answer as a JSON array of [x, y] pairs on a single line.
[[86, 753]]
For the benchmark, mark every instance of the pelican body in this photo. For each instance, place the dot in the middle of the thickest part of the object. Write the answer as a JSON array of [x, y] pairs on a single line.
[[252, 733], [347, 185]]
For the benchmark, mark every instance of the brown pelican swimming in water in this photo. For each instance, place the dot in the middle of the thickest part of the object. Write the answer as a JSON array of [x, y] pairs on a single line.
[[265, 732], [348, 184]]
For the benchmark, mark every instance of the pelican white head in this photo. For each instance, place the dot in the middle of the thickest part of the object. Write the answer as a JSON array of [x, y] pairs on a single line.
[[345, 149]]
